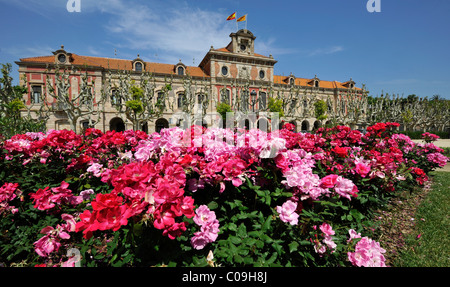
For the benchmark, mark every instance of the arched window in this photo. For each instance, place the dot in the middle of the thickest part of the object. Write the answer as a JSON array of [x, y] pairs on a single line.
[[85, 125], [117, 124], [144, 127], [200, 98], [62, 58], [180, 71], [138, 67], [305, 126], [161, 124], [317, 124], [262, 124]]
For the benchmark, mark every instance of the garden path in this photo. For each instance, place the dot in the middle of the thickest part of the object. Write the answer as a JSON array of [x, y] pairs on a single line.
[[440, 143]]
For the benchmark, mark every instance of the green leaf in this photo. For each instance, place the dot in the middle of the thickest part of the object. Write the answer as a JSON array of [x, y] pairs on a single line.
[[356, 214], [267, 223], [113, 258], [277, 247], [272, 258], [238, 259], [232, 226], [266, 238], [213, 205], [293, 246], [259, 244], [242, 230], [235, 239], [305, 242], [249, 241]]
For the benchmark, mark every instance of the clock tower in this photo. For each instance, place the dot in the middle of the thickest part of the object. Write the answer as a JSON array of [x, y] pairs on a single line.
[[242, 42]]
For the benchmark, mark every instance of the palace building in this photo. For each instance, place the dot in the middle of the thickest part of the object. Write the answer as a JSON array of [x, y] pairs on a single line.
[[234, 74]]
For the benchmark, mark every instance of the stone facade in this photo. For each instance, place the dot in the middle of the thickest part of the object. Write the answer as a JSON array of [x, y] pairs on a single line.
[[234, 74]]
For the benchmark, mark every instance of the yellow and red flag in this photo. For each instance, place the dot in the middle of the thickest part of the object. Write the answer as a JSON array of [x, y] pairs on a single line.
[[243, 18], [232, 16]]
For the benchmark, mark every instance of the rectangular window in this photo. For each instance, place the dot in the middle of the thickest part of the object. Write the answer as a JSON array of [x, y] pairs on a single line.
[[36, 92], [181, 100], [225, 96], [115, 99], [262, 100], [160, 100]]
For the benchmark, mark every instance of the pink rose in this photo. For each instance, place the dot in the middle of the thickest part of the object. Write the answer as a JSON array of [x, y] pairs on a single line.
[[326, 228], [329, 181], [287, 212], [345, 187], [362, 169]]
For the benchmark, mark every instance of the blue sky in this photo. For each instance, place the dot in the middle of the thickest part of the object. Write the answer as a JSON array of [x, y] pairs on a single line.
[[404, 49]]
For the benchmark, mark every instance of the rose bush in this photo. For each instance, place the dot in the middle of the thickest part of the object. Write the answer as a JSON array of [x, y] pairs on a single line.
[[183, 197]]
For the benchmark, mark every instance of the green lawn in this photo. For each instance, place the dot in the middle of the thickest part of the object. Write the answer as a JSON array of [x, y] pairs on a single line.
[[429, 245]]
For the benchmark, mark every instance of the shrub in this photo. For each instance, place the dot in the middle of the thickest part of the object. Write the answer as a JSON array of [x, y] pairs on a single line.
[[202, 197]]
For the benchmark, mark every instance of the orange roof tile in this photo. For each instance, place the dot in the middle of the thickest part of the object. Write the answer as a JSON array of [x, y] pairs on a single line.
[[309, 82], [120, 64]]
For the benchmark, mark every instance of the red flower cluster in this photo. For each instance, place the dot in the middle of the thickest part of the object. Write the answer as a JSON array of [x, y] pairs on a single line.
[[47, 198], [341, 151], [421, 175], [66, 140], [108, 212], [380, 129], [341, 136], [154, 189]]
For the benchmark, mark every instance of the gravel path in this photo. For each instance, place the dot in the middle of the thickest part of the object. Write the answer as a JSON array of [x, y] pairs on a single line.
[[440, 143]]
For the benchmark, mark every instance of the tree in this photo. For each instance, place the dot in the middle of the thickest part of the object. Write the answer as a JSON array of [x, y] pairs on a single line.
[[137, 100], [350, 107], [298, 102], [412, 112], [222, 109], [320, 109], [276, 106], [81, 105], [193, 102], [11, 106]]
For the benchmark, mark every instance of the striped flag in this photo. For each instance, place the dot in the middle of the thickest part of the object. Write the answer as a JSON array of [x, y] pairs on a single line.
[[241, 19], [232, 16]]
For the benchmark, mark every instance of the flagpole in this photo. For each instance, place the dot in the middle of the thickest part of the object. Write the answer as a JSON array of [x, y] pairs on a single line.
[[246, 19]]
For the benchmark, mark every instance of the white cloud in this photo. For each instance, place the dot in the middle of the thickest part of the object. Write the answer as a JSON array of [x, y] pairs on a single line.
[[162, 31], [326, 51], [170, 31]]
